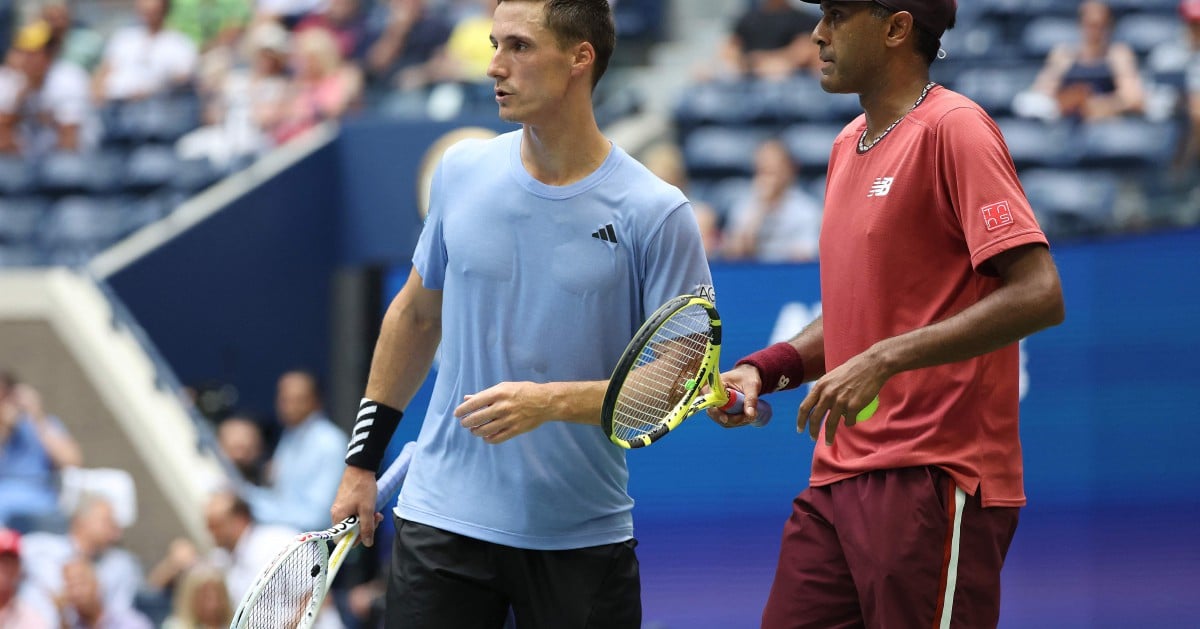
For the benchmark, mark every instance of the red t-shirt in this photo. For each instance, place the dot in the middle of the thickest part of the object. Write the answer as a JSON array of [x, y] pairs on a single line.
[[908, 228]]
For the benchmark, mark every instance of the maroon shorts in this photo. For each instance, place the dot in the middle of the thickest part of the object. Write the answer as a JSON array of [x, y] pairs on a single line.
[[893, 548]]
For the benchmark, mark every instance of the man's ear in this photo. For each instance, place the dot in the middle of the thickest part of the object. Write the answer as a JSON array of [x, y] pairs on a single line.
[[900, 28], [583, 58]]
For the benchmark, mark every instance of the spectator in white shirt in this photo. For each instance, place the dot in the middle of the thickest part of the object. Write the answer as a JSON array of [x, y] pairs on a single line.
[[145, 59], [44, 101], [243, 546], [92, 537]]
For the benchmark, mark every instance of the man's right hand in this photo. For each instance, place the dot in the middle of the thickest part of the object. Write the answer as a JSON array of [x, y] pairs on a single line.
[[356, 496], [744, 378]]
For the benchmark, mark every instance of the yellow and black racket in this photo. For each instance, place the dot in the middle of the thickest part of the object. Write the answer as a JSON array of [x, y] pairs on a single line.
[[669, 371]]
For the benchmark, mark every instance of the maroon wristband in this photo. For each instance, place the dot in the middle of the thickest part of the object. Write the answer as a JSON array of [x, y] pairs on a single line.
[[780, 367]]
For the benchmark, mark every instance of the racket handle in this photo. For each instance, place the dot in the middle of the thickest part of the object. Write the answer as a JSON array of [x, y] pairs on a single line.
[[737, 403], [389, 482]]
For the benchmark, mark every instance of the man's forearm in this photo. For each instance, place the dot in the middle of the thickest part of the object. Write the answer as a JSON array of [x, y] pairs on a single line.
[[577, 402], [810, 344], [1004, 317]]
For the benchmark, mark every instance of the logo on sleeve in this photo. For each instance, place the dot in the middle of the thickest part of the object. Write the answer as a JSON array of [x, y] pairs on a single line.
[[706, 291], [881, 187], [997, 215]]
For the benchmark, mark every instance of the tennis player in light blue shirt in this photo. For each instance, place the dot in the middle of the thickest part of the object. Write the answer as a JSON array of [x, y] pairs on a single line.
[[530, 294], [544, 251]]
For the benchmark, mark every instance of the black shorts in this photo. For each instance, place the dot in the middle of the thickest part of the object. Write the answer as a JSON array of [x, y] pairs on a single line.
[[442, 580]]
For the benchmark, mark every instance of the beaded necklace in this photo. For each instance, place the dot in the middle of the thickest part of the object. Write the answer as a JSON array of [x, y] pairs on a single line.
[[863, 146]]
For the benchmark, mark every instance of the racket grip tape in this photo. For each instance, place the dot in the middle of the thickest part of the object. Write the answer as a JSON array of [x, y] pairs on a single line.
[[737, 404]]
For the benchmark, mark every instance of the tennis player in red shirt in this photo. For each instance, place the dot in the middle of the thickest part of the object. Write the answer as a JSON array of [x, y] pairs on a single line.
[[933, 267]]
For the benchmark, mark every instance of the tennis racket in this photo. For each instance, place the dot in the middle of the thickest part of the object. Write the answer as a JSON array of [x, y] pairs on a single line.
[[669, 371], [289, 591]]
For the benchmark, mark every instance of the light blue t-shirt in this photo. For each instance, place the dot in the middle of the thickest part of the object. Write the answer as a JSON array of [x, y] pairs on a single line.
[[545, 284], [28, 481], [306, 469]]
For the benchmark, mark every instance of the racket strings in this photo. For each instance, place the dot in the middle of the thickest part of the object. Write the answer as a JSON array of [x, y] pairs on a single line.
[[286, 595], [664, 374]]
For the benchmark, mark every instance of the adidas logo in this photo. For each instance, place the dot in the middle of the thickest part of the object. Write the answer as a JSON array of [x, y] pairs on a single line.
[[606, 234]]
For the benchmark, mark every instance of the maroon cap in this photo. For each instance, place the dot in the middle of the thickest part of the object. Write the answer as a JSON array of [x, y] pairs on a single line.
[[1190, 10], [10, 542], [934, 16]]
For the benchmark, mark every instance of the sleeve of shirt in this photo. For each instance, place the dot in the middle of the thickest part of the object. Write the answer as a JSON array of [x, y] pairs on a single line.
[[674, 262], [979, 178], [429, 258]]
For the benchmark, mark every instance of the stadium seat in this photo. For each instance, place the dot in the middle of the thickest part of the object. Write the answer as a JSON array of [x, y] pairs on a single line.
[[19, 255], [1042, 34], [981, 41], [721, 151], [194, 175], [994, 88], [20, 218], [150, 166], [809, 145], [1143, 32], [801, 99], [1014, 16], [16, 175], [145, 210], [719, 102], [1072, 202], [170, 117], [1129, 142], [1028, 7], [1034, 143], [1160, 7], [79, 223], [72, 173], [161, 119], [639, 20]]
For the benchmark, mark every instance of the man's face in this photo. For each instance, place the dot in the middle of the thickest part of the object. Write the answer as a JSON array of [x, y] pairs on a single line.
[[153, 12], [295, 399], [224, 527], [97, 526], [851, 42], [36, 64], [773, 168], [531, 71], [241, 442]]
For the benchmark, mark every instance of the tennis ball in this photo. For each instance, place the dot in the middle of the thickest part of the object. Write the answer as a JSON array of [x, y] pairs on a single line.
[[867, 411]]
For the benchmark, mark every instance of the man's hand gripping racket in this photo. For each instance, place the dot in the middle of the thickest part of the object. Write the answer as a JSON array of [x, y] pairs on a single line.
[[289, 591], [669, 371]]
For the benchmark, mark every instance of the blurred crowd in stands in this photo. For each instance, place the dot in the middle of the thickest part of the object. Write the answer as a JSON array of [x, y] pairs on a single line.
[[108, 124], [62, 563]]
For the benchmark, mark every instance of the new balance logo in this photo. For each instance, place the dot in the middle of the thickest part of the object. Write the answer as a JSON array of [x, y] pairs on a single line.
[[881, 187], [783, 382], [606, 234]]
